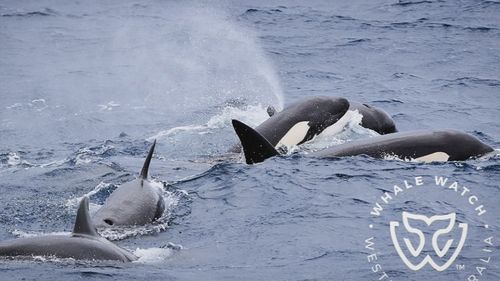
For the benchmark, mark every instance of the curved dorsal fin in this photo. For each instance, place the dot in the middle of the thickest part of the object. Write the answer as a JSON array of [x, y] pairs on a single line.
[[83, 223], [145, 167], [255, 146]]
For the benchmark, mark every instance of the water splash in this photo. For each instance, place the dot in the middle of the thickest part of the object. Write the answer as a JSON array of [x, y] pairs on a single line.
[[348, 129], [156, 255], [250, 114], [182, 60], [23, 234], [102, 186]]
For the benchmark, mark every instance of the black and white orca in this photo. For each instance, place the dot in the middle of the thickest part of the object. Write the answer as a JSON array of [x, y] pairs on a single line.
[[302, 120], [427, 146], [308, 118], [372, 118], [421, 145]]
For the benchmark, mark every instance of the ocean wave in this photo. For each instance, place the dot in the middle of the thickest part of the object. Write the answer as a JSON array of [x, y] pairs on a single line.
[[354, 42], [468, 82], [318, 74], [400, 75], [155, 255], [36, 105], [412, 3], [42, 13], [261, 11], [424, 23], [388, 101], [14, 159]]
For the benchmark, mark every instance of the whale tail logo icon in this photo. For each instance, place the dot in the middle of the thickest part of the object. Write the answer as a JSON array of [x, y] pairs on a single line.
[[416, 250]]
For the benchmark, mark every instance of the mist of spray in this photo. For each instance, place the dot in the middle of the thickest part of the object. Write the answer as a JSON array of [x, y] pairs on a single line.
[[124, 66]]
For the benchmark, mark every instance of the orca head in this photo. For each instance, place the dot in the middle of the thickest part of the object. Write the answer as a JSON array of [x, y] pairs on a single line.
[[136, 202], [377, 119], [317, 114]]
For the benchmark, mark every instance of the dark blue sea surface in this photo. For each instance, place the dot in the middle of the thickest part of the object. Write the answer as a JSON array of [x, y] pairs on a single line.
[[85, 87]]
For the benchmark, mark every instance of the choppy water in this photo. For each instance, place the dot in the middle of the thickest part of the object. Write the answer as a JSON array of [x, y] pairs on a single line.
[[85, 86]]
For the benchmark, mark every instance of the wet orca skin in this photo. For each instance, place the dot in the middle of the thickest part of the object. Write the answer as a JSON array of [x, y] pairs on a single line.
[[303, 120], [255, 146], [374, 118], [425, 145], [83, 244], [137, 202]]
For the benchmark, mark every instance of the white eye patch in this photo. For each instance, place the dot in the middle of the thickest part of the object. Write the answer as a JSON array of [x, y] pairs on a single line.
[[295, 135]]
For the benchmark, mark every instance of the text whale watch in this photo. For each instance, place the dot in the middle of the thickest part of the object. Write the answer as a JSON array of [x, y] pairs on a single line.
[[136, 202], [84, 243]]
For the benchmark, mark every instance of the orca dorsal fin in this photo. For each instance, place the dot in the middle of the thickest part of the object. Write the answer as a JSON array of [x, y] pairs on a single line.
[[83, 223], [255, 146], [145, 167], [271, 111]]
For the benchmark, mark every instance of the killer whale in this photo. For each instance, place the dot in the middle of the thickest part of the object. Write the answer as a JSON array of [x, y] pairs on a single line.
[[420, 145], [84, 243], [307, 118], [303, 120], [433, 145], [373, 118], [137, 202]]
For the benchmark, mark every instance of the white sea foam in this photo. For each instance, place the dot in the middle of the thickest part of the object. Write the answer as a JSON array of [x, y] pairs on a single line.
[[36, 104], [155, 255], [108, 106], [251, 115], [13, 159], [23, 234], [349, 129], [88, 154], [491, 155], [72, 202]]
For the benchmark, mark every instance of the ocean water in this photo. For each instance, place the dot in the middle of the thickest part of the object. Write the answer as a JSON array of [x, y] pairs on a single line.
[[85, 86]]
